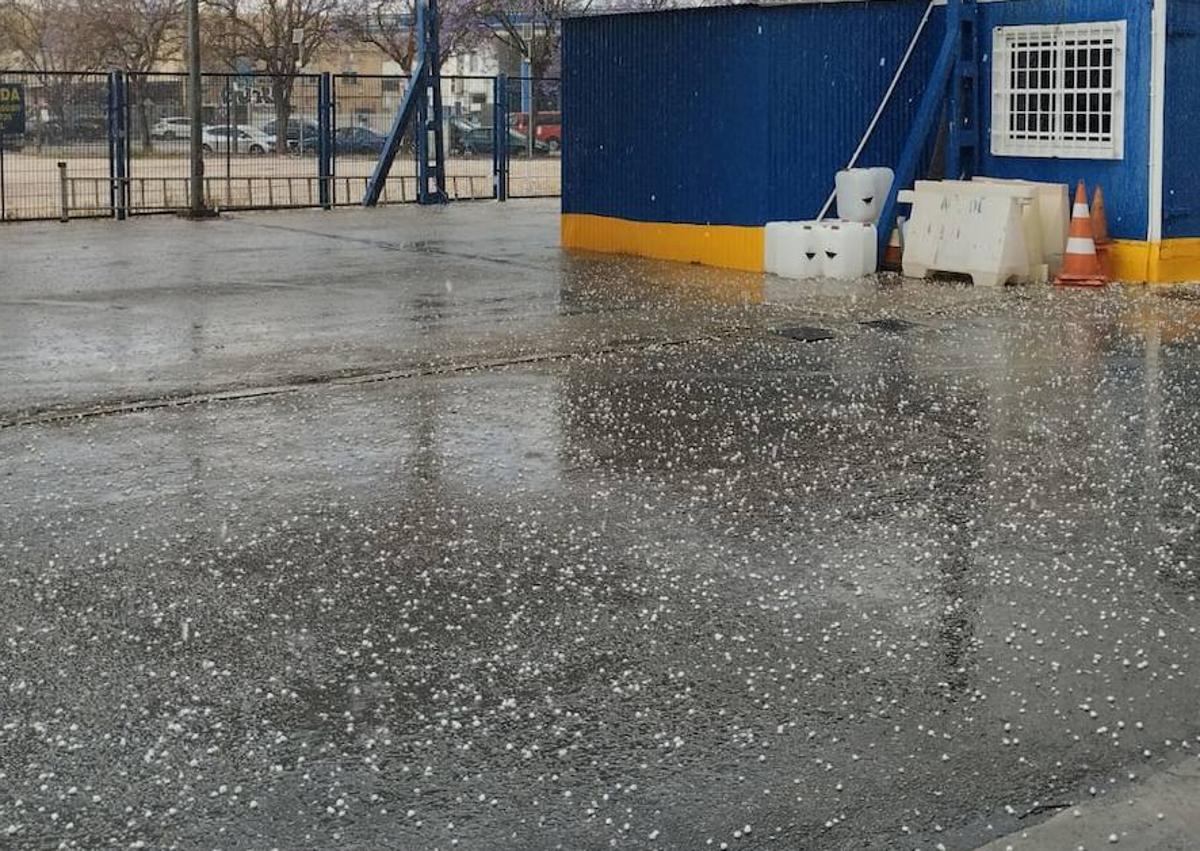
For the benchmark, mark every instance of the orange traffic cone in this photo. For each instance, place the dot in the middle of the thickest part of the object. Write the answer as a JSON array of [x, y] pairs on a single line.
[[1100, 233], [1099, 218], [893, 254], [1081, 266]]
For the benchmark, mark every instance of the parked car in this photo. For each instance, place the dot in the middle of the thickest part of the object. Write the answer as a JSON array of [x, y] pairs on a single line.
[[548, 131], [358, 140], [458, 127], [237, 139], [76, 128], [479, 141], [301, 136], [171, 127]]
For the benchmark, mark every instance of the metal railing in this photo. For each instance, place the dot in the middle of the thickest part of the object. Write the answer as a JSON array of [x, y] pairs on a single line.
[[81, 197], [121, 140]]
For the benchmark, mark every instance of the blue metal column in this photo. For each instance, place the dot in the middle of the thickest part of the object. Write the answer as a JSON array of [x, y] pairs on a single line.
[[500, 137], [527, 89], [421, 141], [435, 69], [420, 92], [432, 163], [325, 139], [333, 128], [111, 106], [923, 121], [117, 145], [424, 91], [404, 119], [962, 146]]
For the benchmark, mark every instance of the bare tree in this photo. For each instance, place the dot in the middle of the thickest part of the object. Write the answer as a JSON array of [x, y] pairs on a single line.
[[278, 37], [389, 25], [530, 28], [136, 36], [7, 48], [48, 35], [51, 38]]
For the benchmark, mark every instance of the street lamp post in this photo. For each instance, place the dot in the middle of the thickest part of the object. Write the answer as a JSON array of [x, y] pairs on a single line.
[[196, 205]]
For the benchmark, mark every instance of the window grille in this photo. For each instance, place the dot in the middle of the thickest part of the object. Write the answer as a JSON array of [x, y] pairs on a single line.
[[1059, 91]]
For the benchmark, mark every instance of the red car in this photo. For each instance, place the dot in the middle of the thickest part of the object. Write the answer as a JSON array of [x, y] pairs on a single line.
[[549, 127]]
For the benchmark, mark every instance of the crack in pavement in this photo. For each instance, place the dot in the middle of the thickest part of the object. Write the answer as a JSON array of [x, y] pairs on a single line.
[[416, 247], [53, 415]]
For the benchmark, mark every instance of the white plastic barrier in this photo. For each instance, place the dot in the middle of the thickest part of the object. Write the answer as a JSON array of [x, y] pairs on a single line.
[[1031, 228], [828, 249], [1044, 216], [970, 229], [1054, 217], [861, 192]]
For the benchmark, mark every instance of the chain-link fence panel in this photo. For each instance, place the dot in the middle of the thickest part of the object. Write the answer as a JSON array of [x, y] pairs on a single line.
[[260, 137], [535, 137], [57, 166], [468, 116], [364, 107], [259, 140]]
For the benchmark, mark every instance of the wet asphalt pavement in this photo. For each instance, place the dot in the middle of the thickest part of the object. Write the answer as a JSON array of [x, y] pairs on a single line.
[[524, 550]]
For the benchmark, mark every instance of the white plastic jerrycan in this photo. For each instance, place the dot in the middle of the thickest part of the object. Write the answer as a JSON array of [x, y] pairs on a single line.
[[861, 193], [848, 249]]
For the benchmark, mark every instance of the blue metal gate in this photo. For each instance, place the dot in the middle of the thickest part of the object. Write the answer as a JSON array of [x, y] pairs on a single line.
[[116, 144]]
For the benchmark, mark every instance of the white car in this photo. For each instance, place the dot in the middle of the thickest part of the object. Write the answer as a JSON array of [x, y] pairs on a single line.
[[237, 139], [171, 127]]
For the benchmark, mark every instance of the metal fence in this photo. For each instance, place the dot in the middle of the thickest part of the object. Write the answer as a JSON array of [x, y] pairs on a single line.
[[535, 135], [116, 144]]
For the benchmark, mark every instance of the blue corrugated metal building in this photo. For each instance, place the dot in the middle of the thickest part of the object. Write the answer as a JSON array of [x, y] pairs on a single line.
[[687, 130]]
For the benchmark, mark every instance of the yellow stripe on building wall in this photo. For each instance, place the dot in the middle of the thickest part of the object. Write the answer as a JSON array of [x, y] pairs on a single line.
[[1130, 260], [1178, 261], [735, 247], [1171, 261], [728, 246]]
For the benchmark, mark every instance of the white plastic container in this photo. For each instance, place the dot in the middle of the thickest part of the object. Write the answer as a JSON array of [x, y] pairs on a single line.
[[883, 185], [1053, 217], [969, 228], [826, 249], [792, 249], [773, 240], [848, 249], [861, 192]]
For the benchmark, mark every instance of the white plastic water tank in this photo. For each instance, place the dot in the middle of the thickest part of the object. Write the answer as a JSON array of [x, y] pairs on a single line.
[[772, 244], [792, 249], [848, 249], [829, 249], [883, 185], [861, 192], [776, 237]]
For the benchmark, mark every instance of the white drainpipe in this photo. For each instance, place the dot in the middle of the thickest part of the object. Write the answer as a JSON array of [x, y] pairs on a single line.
[[1158, 73]]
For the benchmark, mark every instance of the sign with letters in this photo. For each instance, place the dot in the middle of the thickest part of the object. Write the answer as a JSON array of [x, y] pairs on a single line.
[[12, 109]]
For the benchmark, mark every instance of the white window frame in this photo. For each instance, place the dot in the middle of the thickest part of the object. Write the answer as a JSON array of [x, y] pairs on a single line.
[[1045, 132]]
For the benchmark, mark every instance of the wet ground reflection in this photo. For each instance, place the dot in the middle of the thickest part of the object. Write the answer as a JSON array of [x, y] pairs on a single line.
[[862, 590]]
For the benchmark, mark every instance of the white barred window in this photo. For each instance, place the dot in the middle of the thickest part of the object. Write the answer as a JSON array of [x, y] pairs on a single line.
[[1059, 91]]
